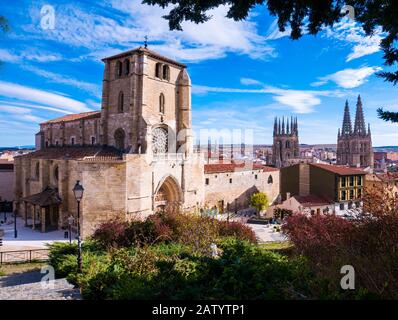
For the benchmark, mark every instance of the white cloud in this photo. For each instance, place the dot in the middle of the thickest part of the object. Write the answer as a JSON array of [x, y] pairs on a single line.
[[249, 82], [348, 78], [211, 40], [300, 101], [273, 32], [16, 91], [29, 55], [57, 78], [19, 113], [352, 33]]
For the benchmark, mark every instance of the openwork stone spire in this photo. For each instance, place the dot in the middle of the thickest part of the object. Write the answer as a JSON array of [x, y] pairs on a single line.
[[359, 126], [347, 128]]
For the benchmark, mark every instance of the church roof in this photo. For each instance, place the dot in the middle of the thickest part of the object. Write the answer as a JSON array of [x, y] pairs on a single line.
[[340, 170], [150, 53], [75, 116], [232, 167], [75, 152]]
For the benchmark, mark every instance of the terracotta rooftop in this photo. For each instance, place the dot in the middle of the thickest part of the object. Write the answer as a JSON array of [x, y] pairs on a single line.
[[75, 152], [75, 116], [150, 53], [231, 167], [389, 176], [312, 200], [340, 170]]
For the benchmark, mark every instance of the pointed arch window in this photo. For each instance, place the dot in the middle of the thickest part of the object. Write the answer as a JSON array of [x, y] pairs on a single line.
[[126, 66], [166, 72], [120, 102], [270, 180], [161, 103], [119, 68], [158, 70]]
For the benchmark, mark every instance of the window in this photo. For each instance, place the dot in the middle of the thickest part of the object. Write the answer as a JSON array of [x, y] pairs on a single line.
[[270, 180], [56, 174], [119, 138], [287, 144], [318, 211], [161, 103], [255, 176], [158, 70], [352, 194], [207, 181], [92, 140], [119, 69], [343, 195], [126, 66], [350, 205], [120, 102], [166, 72], [37, 171], [342, 179], [56, 143], [46, 144], [351, 181], [359, 181], [230, 180], [341, 206], [359, 193], [72, 141]]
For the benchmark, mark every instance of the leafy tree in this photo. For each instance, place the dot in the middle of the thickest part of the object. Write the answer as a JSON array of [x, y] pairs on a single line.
[[296, 13], [259, 201]]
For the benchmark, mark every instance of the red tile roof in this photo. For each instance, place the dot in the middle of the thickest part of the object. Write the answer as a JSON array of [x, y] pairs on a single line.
[[231, 167], [313, 200], [389, 176], [76, 116], [340, 170], [75, 152]]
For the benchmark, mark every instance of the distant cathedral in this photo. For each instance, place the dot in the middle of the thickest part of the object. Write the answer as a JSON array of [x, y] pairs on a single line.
[[286, 143], [354, 147]]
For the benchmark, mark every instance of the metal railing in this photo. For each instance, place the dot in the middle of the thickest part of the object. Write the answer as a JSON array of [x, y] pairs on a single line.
[[19, 256]]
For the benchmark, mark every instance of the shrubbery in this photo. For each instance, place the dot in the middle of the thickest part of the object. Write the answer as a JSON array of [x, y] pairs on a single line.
[[175, 271]]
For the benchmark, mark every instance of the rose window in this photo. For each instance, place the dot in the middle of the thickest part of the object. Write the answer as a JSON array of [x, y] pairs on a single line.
[[159, 140]]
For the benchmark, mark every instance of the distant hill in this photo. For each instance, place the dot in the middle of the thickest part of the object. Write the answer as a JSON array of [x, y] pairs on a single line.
[[16, 148], [386, 149]]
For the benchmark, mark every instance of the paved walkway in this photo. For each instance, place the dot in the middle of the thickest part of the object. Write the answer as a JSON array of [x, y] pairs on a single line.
[[27, 286], [27, 238]]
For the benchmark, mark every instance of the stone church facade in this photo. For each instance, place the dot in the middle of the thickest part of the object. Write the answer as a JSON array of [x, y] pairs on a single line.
[[133, 157], [354, 146]]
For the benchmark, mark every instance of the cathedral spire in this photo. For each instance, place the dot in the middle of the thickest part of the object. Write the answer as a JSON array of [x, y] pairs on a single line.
[[359, 126], [279, 126], [283, 125], [275, 127], [347, 127], [369, 129], [287, 126]]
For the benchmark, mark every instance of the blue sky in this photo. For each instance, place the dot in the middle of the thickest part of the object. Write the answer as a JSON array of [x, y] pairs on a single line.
[[243, 73]]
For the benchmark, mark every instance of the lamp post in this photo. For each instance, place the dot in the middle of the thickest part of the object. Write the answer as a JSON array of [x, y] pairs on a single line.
[[70, 222], [15, 224], [78, 192]]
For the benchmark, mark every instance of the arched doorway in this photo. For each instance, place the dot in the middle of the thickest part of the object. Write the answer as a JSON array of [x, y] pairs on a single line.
[[168, 194], [119, 139]]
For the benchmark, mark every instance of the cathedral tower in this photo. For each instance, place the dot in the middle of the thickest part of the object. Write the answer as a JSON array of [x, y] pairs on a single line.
[[354, 146], [286, 143]]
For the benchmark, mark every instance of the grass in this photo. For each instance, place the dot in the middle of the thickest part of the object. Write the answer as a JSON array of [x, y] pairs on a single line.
[[8, 269], [276, 245]]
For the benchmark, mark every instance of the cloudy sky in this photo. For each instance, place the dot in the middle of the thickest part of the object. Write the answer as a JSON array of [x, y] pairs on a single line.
[[243, 73]]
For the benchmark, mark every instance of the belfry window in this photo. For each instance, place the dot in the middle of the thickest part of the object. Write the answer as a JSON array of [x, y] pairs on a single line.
[[120, 102], [37, 171], [119, 68], [126, 66], [158, 70], [161, 103], [166, 72]]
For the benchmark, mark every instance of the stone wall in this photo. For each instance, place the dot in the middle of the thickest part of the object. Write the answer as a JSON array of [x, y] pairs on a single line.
[[239, 191], [7, 178]]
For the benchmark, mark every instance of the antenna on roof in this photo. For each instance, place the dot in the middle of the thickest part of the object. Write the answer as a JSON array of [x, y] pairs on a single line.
[[146, 42]]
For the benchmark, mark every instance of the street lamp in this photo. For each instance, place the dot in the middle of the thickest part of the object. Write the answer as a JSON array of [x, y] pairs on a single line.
[[15, 224], [70, 222], [78, 192]]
